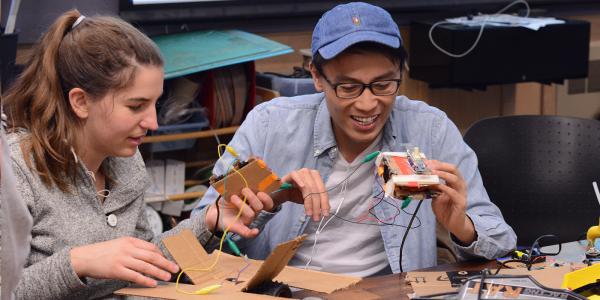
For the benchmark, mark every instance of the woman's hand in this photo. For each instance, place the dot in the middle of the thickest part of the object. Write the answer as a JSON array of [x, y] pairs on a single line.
[[125, 258], [450, 206], [309, 190], [228, 210]]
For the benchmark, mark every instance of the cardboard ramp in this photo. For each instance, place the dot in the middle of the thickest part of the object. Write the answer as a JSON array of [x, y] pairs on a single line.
[[188, 253]]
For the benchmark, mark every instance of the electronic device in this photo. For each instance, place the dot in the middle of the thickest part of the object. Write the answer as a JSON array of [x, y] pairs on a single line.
[[252, 173], [405, 174]]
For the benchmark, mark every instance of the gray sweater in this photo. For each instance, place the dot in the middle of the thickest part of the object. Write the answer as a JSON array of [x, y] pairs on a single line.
[[62, 221], [16, 226]]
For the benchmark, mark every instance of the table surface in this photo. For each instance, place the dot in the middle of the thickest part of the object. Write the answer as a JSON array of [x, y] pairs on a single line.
[[390, 286]]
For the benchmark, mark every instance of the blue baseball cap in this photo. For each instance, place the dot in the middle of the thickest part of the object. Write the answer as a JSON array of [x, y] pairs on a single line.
[[348, 24]]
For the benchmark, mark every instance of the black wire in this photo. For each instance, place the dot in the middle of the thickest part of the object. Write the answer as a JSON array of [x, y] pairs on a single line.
[[532, 258], [406, 233], [216, 223], [335, 186], [382, 199], [392, 204], [379, 221], [481, 285], [504, 264]]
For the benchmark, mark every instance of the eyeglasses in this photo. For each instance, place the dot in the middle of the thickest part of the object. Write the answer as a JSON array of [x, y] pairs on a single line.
[[378, 88]]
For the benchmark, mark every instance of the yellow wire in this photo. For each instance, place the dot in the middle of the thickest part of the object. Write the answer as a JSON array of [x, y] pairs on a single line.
[[210, 268]]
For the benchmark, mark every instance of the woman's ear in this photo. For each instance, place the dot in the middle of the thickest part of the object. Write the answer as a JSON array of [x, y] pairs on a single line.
[[80, 102], [315, 77]]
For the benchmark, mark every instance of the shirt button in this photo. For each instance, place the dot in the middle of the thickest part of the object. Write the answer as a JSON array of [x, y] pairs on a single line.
[[111, 220], [317, 152], [303, 218]]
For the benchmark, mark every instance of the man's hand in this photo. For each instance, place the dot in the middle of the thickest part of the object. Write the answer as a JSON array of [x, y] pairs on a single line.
[[125, 258], [228, 210], [309, 190], [450, 206]]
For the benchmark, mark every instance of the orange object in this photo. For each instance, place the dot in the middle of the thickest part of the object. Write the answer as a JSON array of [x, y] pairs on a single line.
[[255, 175]]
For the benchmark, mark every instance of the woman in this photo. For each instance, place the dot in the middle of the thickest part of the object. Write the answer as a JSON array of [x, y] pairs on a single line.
[[75, 119]]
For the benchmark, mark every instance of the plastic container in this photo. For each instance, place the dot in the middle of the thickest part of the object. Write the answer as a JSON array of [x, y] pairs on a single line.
[[197, 122]]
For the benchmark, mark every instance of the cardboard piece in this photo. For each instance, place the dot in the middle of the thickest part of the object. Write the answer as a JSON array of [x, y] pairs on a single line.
[[166, 290], [428, 283], [188, 253], [255, 172], [354, 295]]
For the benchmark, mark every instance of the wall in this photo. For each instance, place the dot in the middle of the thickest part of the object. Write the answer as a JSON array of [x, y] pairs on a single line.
[[35, 16]]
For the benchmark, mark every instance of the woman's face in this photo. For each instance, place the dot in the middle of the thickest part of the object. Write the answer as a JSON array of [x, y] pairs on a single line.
[[116, 123]]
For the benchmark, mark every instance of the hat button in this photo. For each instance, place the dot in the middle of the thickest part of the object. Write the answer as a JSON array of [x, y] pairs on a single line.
[[355, 20], [111, 220]]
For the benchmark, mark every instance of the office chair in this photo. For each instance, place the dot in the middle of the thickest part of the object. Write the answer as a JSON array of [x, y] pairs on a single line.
[[539, 171]]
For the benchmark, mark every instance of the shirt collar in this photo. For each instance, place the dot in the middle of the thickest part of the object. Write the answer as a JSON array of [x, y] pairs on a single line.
[[323, 135]]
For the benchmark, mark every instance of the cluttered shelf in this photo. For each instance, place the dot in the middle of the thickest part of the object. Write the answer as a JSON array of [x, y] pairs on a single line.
[[210, 86], [187, 183]]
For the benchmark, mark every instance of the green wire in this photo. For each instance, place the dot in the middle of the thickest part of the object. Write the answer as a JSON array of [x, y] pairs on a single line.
[[406, 202]]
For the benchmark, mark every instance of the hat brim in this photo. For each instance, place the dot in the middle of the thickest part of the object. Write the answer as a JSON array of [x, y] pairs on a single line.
[[333, 49]]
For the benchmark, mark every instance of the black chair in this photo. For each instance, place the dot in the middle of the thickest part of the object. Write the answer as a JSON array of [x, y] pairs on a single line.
[[539, 171]]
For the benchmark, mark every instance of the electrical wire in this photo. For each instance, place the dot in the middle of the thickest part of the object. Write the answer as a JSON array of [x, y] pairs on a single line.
[[383, 199], [319, 229], [377, 224], [239, 273], [333, 187], [211, 267], [480, 30], [386, 222], [406, 234], [483, 273], [212, 234]]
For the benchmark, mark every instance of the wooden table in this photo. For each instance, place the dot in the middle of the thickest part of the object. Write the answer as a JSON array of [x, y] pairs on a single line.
[[390, 286]]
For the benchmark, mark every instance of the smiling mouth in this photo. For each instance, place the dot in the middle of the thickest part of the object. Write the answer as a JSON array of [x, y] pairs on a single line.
[[365, 121]]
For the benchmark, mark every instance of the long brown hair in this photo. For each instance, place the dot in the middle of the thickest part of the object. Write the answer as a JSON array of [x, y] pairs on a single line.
[[99, 54]]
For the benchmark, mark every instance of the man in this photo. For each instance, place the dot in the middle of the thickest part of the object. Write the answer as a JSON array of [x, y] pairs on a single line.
[[320, 142]]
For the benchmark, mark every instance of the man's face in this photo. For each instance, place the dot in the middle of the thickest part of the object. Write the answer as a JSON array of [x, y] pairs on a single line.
[[358, 121]]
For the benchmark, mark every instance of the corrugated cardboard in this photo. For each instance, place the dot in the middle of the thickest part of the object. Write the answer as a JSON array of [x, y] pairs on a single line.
[[166, 290], [188, 253], [428, 283], [256, 173]]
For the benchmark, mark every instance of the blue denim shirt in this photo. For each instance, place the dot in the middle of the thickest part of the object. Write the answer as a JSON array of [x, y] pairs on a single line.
[[296, 132]]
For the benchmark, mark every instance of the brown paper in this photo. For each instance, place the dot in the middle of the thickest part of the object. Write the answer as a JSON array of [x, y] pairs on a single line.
[[167, 291], [428, 283]]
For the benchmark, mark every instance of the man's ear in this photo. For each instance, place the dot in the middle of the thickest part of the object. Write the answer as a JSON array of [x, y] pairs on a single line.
[[80, 102], [315, 77]]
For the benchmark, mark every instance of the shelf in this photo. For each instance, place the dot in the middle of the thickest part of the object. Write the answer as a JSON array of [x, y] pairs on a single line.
[[174, 197], [200, 163], [188, 135], [191, 182]]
